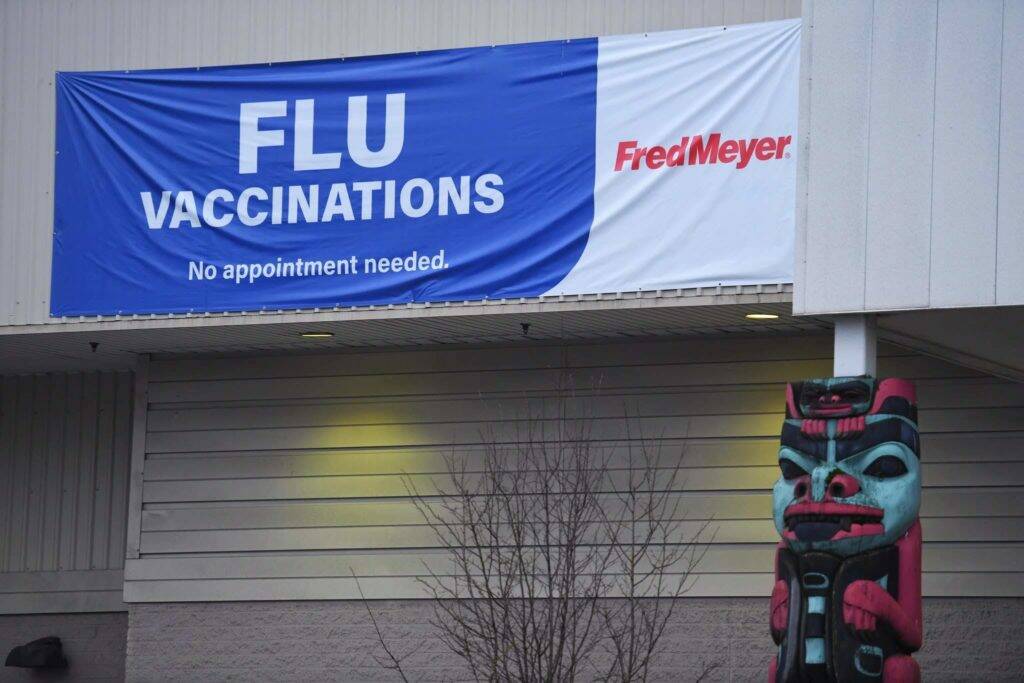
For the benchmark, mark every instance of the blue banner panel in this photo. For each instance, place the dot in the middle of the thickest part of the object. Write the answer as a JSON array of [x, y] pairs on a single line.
[[449, 175]]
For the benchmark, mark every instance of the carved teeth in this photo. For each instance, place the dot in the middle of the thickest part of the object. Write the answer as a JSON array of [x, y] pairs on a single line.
[[845, 522]]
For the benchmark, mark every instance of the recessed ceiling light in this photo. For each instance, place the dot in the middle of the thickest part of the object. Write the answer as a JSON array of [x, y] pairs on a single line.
[[761, 316], [317, 335]]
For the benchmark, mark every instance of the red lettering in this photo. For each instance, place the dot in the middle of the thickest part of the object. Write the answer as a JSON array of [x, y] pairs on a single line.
[[677, 153], [746, 152], [701, 149], [701, 154], [655, 157], [727, 152], [637, 158], [625, 153], [783, 141], [765, 149]]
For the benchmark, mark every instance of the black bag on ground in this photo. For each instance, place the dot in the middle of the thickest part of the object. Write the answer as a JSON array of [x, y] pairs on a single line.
[[45, 653]]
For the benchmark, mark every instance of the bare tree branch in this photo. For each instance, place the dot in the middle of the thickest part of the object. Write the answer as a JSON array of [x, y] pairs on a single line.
[[393, 662]]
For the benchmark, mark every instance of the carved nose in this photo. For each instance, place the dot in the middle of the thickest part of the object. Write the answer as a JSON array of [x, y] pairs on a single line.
[[842, 486]]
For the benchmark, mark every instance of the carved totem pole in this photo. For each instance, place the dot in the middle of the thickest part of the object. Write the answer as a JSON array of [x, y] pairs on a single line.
[[846, 605]]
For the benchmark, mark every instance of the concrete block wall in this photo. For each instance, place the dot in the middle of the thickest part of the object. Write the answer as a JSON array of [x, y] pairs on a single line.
[[967, 639], [94, 644]]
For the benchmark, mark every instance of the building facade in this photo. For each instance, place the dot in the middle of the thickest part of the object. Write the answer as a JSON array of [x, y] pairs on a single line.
[[187, 496]]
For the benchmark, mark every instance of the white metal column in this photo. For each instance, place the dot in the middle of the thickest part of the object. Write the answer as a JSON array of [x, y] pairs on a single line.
[[856, 346]]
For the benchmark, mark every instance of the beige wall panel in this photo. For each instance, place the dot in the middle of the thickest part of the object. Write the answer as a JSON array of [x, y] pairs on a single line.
[[463, 432], [39, 37], [937, 503], [747, 451], [949, 530], [932, 217], [696, 401], [261, 471], [835, 205], [510, 358], [63, 468], [608, 378], [702, 479], [966, 153], [899, 210], [1010, 237], [721, 558], [351, 462]]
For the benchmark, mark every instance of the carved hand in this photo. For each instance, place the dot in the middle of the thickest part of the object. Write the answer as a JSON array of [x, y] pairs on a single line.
[[779, 614], [866, 602]]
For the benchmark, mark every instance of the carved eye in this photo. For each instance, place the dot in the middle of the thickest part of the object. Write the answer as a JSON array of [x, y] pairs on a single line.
[[811, 396], [790, 470], [886, 467]]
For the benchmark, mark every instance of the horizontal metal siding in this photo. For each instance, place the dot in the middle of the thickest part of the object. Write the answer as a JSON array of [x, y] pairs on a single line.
[[914, 135], [39, 37], [272, 478], [63, 485]]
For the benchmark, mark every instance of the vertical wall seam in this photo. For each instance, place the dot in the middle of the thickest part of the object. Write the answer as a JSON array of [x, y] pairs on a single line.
[[804, 165], [128, 471], [27, 451], [867, 156], [110, 472], [4, 458], [44, 381], [24, 465], [931, 170], [32, 492], [999, 148], [44, 439], [5, 561], [140, 407], [82, 431], [95, 463], [68, 469], [62, 422]]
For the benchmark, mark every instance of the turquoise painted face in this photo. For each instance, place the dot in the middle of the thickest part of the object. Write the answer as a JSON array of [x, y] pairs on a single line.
[[865, 501]]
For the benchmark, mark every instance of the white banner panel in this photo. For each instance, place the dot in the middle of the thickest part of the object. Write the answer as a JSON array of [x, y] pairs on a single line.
[[695, 179]]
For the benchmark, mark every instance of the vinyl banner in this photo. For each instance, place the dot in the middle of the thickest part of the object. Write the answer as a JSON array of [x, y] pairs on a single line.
[[656, 161]]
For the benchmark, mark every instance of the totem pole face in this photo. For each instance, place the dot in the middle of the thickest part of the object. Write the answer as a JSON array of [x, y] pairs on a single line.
[[851, 476]]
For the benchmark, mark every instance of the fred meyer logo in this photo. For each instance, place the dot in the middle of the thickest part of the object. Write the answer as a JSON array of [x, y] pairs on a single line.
[[699, 150]]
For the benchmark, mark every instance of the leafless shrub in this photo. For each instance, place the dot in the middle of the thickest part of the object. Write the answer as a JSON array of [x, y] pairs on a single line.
[[565, 557]]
